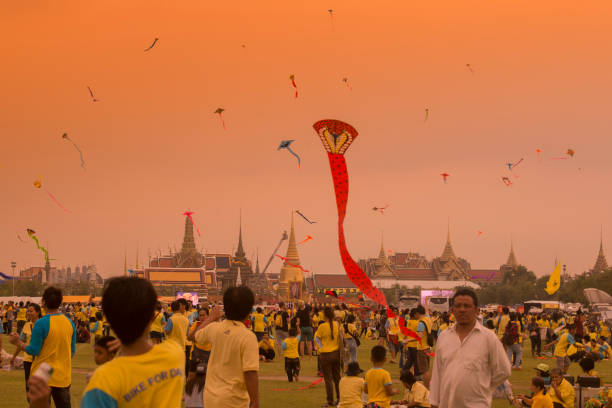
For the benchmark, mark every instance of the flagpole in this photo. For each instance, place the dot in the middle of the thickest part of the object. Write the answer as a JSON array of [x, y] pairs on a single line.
[[13, 265]]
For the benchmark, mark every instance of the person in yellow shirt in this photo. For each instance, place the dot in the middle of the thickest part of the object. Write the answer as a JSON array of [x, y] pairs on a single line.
[[416, 396], [410, 344], [144, 375], [351, 387], [232, 374], [423, 346], [327, 339], [53, 341], [378, 384], [561, 391], [266, 348], [33, 314], [96, 327], [157, 327], [540, 399], [259, 322], [502, 321], [562, 345], [176, 327], [393, 331], [292, 357], [21, 316]]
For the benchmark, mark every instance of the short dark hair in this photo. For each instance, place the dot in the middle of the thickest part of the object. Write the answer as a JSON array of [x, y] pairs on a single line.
[[293, 331], [466, 292], [258, 310], [378, 354], [36, 308], [505, 310], [420, 309], [238, 302], [175, 306], [52, 297], [129, 306], [103, 342], [538, 382], [587, 364], [407, 377]]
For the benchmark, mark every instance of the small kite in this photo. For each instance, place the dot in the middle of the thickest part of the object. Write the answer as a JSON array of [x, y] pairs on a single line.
[[539, 152], [292, 78], [32, 235], [331, 17], [479, 233], [570, 152], [152, 45], [513, 165], [507, 181], [219, 112], [66, 137], [286, 144], [426, 114], [381, 209], [243, 46], [304, 217], [444, 176], [470, 68], [188, 214], [308, 238], [93, 98], [346, 81], [38, 184]]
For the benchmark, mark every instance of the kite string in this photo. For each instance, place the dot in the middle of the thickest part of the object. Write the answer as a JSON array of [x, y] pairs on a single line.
[[56, 201]]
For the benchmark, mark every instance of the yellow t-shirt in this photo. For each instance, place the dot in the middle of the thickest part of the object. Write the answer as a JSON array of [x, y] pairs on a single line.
[[206, 346], [53, 341], [324, 334], [541, 401], [178, 333], [351, 389], [393, 326], [291, 347], [501, 326], [92, 311], [156, 326], [563, 344], [412, 324], [259, 324], [153, 379], [419, 393], [21, 314], [266, 344], [234, 351], [567, 394], [26, 334], [96, 331], [376, 378], [422, 345]]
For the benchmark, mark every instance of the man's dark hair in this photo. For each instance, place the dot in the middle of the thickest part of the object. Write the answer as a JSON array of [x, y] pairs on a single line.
[[281, 304], [587, 364], [420, 309], [103, 342], [378, 354], [238, 302], [466, 292], [505, 310], [292, 332], [175, 306], [52, 297], [259, 310], [407, 377], [129, 306]]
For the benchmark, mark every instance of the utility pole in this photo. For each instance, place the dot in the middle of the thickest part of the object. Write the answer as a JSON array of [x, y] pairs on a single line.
[[13, 265]]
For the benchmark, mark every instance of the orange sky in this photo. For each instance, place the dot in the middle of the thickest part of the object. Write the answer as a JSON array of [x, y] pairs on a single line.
[[153, 147]]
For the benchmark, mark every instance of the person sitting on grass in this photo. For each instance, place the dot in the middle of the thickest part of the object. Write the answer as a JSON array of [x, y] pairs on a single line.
[[266, 348], [588, 367], [561, 391], [292, 357], [540, 399], [351, 387], [378, 383], [416, 396]]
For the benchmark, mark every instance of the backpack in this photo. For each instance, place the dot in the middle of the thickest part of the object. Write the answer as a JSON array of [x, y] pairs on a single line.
[[346, 330], [430, 337], [511, 335]]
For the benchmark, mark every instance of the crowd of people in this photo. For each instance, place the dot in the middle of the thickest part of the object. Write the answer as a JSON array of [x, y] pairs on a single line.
[[154, 354]]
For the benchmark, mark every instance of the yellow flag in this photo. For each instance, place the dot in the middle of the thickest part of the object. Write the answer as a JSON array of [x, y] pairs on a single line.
[[554, 282]]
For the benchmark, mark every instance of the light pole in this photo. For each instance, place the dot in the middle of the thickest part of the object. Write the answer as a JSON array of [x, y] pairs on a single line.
[[13, 265]]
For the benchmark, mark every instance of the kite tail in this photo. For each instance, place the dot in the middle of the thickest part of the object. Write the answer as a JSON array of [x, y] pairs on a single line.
[[57, 202], [40, 247], [296, 155], [355, 273], [222, 121], [295, 86]]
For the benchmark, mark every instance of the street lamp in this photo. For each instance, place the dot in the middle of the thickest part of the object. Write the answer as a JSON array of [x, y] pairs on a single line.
[[13, 265]]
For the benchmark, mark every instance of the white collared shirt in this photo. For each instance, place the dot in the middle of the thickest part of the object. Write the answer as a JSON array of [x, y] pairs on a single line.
[[466, 374]]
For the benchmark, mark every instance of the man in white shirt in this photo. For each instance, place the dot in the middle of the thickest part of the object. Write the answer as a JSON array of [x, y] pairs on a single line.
[[470, 360]]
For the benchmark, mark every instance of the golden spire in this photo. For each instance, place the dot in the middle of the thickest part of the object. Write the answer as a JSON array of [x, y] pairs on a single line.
[[382, 257], [601, 264], [292, 252], [448, 252], [512, 258]]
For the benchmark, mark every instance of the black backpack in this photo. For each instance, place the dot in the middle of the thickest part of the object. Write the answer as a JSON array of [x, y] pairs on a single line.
[[430, 337]]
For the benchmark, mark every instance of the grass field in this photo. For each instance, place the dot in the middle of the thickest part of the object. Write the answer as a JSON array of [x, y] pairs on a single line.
[[272, 377]]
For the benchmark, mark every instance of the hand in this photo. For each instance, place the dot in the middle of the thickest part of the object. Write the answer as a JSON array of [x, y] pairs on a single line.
[[114, 345], [216, 313], [39, 392], [14, 338]]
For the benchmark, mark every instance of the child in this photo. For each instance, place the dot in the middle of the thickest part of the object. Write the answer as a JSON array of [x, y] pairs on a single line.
[[266, 348], [194, 387], [97, 327], [378, 383], [292, 357], [102, 351], [351, 387], [416, 395]]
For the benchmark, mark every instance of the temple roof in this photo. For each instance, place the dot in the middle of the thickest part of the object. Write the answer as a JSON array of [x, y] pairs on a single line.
[[292, 252], [600, 264], [448, 252], [512, 258]]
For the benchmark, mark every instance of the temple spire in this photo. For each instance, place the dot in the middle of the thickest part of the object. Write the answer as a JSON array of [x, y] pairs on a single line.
[[448, 252], [257, 263], [188, 240], [292, 252], [240, 251], [512, 258], [382, 256], [601, 264]]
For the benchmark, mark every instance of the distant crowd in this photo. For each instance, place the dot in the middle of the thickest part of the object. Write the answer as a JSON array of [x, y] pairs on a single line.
[[154, 354]]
